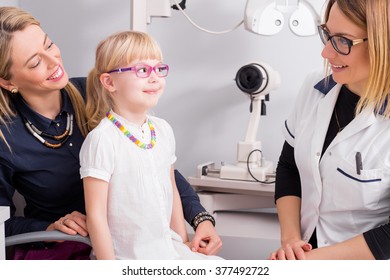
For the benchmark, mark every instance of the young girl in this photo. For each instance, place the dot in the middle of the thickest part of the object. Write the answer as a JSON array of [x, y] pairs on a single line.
[[132, 202]]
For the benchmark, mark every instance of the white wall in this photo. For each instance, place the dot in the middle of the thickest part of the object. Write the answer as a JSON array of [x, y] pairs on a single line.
[[9, 2], [202, 102]]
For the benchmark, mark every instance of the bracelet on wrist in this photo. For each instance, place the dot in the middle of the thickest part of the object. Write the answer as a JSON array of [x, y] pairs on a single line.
[[201, 217]]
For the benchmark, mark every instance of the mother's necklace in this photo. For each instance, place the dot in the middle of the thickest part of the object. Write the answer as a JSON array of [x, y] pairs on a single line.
[[131, 136], [337, 120], [63, 137]]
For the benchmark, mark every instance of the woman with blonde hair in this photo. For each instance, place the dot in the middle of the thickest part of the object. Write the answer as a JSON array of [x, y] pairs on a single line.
[[333, 178]]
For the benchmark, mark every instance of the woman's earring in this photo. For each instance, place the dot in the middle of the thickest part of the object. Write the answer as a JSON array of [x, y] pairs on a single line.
[[14, 90]]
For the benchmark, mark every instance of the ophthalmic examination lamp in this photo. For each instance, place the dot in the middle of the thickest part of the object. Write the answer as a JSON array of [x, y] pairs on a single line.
[[256, 80]]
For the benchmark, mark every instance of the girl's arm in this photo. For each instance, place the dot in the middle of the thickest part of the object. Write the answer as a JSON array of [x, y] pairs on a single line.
[[96, 192], [177, 218]]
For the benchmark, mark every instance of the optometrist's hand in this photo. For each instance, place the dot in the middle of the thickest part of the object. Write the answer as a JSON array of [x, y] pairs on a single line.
[[206, 239], [73, 223], [292, 251]]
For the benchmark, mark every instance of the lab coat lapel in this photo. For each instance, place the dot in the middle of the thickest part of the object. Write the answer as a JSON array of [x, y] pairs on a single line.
[[359, 123], [324, 114]]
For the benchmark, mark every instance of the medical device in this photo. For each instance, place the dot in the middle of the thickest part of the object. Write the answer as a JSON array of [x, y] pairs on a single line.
[[266, 17], [142, 12], [256, 80], [263, 17]]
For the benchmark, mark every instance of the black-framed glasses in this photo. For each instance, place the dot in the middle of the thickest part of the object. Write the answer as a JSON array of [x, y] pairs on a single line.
[[341, 44], [144, 70]]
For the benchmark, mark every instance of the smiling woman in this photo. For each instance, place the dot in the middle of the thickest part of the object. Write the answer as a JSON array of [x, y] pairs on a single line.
[[347, 50], [38, 68], [40, 141], [333, 186]]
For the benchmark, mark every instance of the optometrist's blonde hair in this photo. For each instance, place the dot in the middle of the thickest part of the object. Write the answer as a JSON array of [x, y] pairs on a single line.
[[117, 50], [13, 19], [373, 16]]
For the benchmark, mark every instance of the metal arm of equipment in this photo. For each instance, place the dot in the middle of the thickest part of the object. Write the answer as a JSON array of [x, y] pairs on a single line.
[[142, 12]]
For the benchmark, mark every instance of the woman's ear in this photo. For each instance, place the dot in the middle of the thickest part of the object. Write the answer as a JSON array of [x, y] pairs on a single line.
[[107, 82], [8, 85]]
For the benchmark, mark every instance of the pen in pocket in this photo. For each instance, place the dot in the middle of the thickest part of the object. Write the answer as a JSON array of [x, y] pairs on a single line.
[[359, 163]]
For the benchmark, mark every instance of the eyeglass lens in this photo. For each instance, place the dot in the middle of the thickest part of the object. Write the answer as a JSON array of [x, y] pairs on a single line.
[[144, 71], [341, 44]]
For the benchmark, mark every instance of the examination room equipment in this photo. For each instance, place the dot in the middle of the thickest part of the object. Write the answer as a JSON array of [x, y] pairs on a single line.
[[240, 195], [267, 17], [263, 17], [256, 80]]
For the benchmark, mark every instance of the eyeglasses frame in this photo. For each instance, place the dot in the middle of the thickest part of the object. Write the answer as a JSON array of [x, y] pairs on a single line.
[[351, 43], [131, 68]]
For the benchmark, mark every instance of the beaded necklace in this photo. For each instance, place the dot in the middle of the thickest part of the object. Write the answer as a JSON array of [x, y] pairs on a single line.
[[131, 136], [62, 137]]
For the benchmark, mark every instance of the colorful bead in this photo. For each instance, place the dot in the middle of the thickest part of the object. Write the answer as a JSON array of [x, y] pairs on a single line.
[[130, 136]]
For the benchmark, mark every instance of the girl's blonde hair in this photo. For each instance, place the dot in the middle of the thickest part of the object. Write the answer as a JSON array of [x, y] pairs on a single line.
[[373, 16], [13, 19], [118, 50]]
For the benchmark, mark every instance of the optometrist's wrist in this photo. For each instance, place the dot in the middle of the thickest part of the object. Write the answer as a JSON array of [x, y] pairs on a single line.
[[201, 217]]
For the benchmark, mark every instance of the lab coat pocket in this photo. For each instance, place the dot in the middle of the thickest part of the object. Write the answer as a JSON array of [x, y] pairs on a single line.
[[352, 191]]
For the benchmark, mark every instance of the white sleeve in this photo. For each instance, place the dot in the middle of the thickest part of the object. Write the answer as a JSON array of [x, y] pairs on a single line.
[[170, 136], [97, 156], [172, 141], [289, 126]]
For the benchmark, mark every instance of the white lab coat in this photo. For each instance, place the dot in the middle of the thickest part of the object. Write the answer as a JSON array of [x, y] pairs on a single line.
[[337, 201]]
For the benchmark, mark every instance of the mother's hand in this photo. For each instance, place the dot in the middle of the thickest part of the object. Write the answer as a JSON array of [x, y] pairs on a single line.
[[73, 223]]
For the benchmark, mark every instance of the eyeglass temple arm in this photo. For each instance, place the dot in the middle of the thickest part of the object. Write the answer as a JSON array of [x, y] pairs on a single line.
[[120, 70]]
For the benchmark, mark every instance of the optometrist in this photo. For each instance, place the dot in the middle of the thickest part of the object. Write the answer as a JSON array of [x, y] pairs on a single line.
[[333, 177]]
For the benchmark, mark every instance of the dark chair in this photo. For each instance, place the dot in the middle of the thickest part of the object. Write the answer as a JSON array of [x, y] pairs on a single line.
[[38, 236]]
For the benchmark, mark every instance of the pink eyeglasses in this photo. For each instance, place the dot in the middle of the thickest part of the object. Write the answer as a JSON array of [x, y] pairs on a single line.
[[144, 70]]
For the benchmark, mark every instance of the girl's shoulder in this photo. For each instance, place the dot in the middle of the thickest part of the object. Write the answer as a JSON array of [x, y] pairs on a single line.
[[159, 122], [104, 127]]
